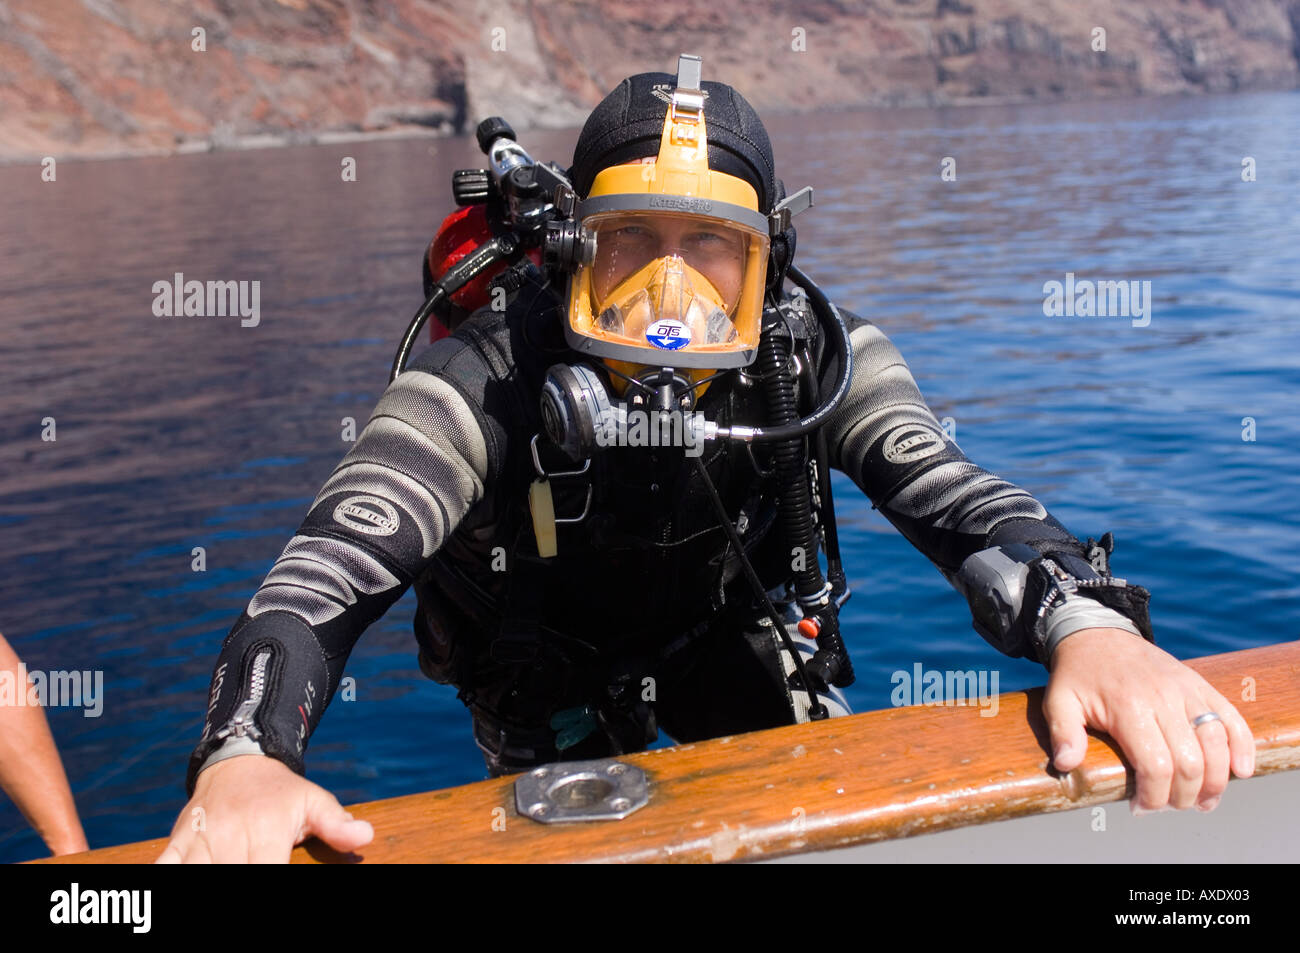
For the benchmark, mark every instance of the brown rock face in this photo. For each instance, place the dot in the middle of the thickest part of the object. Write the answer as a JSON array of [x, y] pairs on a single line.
[[98, 77]]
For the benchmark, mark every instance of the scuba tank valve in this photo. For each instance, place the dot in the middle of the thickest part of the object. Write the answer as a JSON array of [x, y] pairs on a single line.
[[522, 197]]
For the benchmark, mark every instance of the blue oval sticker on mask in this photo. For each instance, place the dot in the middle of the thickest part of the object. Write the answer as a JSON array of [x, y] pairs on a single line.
[[668, 335]]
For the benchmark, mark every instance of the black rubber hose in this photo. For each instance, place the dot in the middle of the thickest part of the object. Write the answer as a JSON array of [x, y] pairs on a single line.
[[837, 333], [503, 247], [831, 661], [825, 492], [834, 564], [413, 331], [790, 461]]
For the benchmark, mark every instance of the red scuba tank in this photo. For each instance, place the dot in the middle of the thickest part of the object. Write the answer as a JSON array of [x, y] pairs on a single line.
[[460, 234]]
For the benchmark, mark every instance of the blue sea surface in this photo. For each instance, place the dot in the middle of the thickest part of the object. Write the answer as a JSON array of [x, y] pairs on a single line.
[[180, 439]]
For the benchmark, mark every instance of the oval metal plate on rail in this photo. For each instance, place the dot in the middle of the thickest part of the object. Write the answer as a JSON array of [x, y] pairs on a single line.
[[601, 790]]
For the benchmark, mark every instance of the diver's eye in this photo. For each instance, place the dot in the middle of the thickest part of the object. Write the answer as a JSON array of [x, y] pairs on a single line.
[[712, 242]]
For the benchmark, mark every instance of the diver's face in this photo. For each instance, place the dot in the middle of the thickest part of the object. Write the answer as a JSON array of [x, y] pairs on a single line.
[[717, 253]]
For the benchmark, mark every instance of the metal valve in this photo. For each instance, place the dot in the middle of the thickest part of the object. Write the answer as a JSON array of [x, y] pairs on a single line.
[[568, 245]]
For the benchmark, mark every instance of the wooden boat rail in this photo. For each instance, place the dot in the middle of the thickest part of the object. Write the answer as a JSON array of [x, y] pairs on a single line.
[[812, 787]]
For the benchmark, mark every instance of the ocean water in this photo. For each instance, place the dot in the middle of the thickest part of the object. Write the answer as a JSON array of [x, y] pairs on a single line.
[[1181, 435]]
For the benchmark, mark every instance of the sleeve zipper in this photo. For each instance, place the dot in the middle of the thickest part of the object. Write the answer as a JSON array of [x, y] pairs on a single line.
[[241, 723]]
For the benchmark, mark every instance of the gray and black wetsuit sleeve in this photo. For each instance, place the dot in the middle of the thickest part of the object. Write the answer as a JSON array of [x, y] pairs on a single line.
[[423, 460], [1029, 582]]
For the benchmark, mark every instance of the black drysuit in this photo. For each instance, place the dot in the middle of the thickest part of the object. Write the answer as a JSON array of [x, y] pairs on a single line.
[[644, 587]]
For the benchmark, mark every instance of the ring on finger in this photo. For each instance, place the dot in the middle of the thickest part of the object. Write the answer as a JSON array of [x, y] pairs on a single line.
[[1206, 718]]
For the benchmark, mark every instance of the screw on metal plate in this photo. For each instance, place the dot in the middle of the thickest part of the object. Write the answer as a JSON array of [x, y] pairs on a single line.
[[602, 790]]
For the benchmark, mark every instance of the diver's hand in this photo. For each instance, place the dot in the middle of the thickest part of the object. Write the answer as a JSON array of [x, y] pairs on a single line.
[[1144, 698], [253, 809]]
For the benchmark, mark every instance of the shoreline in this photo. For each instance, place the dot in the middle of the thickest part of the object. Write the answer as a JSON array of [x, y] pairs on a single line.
[[289, 139]]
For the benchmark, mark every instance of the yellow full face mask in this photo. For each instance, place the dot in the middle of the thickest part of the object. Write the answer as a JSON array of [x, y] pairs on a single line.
[[679, 266]]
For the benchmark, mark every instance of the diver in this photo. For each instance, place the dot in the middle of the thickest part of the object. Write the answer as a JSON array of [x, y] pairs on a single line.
[[582, 596]]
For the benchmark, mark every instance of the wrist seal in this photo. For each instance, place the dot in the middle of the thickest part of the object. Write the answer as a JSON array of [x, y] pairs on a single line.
[[1013, 590], [268, 691]]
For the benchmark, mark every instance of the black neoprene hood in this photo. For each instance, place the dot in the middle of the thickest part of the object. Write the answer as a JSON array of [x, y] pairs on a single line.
[[629, 122]]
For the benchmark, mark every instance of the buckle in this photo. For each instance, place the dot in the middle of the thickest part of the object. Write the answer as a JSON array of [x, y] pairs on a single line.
[[688, 98], [778, 220], [544, 476]]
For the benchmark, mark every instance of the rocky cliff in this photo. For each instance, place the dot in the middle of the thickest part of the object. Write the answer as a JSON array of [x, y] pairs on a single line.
[[98, 77]]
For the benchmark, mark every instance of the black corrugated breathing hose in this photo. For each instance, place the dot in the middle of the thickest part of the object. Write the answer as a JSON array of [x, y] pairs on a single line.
[[831, 662]]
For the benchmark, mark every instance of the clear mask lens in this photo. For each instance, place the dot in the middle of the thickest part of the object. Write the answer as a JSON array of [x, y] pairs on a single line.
[[670, 282]]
